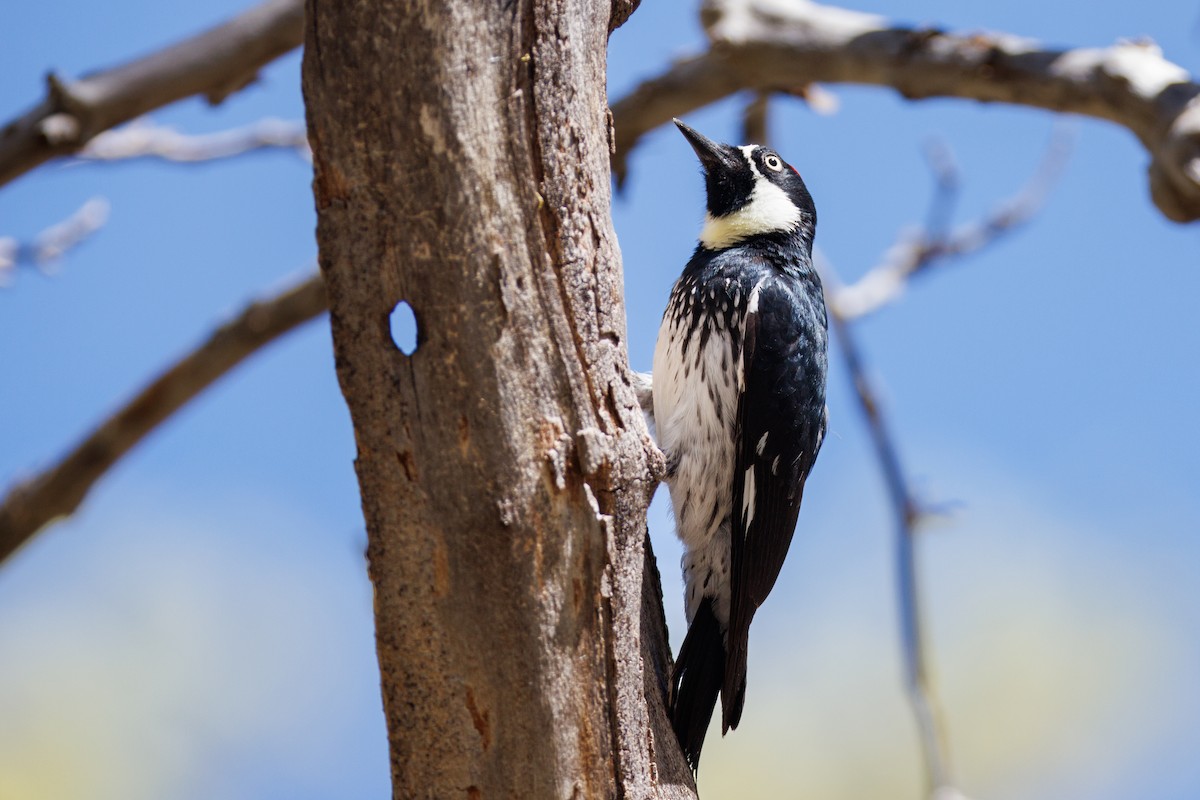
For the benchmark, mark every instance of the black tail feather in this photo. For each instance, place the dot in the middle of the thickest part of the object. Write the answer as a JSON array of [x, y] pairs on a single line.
[[696, 681], [733, 685]]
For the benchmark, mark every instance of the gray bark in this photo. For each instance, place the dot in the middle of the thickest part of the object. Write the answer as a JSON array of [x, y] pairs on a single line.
[[461, 165]]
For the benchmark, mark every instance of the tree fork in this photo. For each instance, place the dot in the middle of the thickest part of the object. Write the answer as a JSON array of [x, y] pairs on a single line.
[[462, 166]]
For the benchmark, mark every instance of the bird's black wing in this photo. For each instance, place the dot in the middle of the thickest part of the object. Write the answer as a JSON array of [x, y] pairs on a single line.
[[781, 421]]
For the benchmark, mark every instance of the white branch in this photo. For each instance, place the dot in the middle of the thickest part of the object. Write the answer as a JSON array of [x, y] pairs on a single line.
[[214, 64], [50, 245], [917, 250], [775, 45], [146, 139]]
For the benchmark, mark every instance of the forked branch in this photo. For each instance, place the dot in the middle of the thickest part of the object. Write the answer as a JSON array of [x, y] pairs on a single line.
[[916, 251], [879, 286], [907, 514], [215, 64]]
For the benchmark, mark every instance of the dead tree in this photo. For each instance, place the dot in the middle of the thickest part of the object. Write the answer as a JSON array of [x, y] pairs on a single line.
[[461, 161]]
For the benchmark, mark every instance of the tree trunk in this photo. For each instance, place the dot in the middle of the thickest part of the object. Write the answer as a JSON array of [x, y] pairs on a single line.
[[462, 165]]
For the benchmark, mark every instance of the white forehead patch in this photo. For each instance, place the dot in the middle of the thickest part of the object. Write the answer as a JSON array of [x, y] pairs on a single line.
[[769, 210]]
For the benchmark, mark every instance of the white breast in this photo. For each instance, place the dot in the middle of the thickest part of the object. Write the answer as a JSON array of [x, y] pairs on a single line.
[[695, 402]]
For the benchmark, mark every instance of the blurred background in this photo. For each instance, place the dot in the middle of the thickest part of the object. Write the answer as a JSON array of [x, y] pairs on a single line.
[[202, 627]]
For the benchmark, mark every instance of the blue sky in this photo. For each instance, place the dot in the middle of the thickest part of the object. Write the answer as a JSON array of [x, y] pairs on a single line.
[[207, 612]]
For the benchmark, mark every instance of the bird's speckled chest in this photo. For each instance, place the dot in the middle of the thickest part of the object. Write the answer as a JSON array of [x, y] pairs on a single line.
[[697, 381]]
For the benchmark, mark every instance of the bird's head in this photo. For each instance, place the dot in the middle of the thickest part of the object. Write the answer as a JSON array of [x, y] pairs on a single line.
[[751, 192]]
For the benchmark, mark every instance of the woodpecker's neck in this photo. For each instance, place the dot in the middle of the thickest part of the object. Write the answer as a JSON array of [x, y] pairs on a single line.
[[790, 252], [768, 211]]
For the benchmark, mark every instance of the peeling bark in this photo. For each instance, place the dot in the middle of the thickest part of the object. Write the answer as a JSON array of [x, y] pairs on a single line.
[[461, 165]]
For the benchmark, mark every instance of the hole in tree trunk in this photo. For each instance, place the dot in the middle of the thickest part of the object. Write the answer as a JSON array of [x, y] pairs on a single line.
[[404, 328]]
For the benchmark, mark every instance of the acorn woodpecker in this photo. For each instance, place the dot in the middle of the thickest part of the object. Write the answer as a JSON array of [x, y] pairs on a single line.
[[739, 409]]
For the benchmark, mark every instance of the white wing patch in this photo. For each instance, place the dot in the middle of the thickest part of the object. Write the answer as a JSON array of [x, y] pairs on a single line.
[[748, 497], [768, 210]]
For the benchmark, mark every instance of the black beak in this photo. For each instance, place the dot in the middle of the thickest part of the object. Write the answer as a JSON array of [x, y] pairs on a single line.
[[715, 157]]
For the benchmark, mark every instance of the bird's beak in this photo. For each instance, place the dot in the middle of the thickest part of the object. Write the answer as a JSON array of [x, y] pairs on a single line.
[[715, 157]]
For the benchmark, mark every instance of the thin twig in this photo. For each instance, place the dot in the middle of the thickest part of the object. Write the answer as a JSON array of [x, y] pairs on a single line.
[[907, 514], [942, 164], [145, 139], [50, 245], [59, 490], [915, 252], [215, 64]]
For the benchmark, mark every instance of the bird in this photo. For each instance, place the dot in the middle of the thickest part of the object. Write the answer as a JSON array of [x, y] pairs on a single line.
[[738, 398]]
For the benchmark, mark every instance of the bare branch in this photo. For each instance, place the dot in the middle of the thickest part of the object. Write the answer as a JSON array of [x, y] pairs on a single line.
[[754, 118], [214, 64], [914, 252], [907, 514], [146, 139], [50, 245], [689, 84], [882, 285], [58, 491], [757, 44]]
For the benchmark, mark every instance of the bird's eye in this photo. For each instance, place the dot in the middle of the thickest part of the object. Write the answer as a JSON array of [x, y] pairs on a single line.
[[773, 163]]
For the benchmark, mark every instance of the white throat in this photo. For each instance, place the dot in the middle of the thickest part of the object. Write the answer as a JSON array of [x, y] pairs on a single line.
[[769, 210]]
